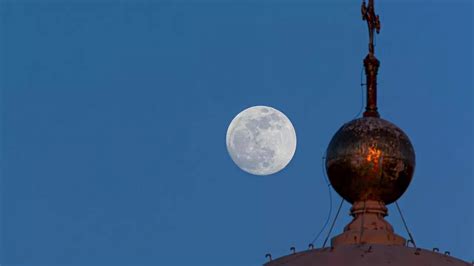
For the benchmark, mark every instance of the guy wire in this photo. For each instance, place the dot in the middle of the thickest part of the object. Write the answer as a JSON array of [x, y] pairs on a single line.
[[405, 224], [327, 220], [333, 222], [330, 201], [361, 93]]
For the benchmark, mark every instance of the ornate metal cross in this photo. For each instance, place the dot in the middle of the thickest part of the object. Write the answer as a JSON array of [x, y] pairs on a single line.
[[373, 22]]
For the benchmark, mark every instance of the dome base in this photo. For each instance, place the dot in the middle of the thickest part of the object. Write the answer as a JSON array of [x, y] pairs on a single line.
[[368, 240], [367, 255], [368, 226]]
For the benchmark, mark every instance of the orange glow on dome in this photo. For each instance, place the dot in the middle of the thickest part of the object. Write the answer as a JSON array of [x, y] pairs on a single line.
[[373, 155]]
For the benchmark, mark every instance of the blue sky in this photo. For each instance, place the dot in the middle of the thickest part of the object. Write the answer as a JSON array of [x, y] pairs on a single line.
[[114, 116]]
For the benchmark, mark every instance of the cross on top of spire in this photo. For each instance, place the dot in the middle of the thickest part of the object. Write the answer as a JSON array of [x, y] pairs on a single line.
[[371, 63], [373, 22]]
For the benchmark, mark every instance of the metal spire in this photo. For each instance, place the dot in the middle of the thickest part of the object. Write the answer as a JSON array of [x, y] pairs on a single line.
[[371, 63]]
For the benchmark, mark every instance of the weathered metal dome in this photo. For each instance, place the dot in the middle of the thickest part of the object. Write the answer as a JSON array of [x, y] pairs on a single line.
[[370, 159]]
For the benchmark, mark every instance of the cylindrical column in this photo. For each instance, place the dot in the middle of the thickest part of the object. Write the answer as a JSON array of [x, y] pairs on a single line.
[[371, 65]]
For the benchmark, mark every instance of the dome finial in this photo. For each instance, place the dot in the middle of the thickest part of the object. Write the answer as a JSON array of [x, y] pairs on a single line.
[[371, 63], [370, 161]]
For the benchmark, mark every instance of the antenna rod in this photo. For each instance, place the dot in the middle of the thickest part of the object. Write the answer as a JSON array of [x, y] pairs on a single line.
[[371, 63]]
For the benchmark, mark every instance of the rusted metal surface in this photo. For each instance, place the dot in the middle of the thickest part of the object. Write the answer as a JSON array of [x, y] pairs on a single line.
[[367, 255], [371, 65], [373, 22], [370, 159]]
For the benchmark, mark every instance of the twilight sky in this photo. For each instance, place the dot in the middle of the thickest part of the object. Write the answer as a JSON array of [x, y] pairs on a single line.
[[114, 116]]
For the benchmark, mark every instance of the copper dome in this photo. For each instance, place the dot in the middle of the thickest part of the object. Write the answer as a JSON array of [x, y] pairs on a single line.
[[370, 159]]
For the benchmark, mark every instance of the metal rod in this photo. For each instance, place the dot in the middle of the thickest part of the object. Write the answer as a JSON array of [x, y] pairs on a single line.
[[333, 222], [371, 65], [405, 224]]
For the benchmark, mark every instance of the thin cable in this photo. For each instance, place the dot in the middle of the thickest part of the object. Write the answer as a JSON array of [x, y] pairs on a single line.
[[330, 201], [333, 222], [327, 219], [404, 223], [361, 94], [323, 170]]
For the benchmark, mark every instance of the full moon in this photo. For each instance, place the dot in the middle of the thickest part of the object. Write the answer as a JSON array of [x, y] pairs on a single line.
[[261, 140]]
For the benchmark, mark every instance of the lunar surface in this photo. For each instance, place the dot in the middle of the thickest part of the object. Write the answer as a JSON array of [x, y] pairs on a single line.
[[261, 140]]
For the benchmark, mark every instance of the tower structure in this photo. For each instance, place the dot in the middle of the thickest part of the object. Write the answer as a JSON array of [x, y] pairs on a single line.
[[370, 163]]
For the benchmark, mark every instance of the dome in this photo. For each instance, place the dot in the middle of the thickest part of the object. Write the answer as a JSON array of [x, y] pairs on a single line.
[[368, 255], [368, 240], [370, 159], [370, 163]]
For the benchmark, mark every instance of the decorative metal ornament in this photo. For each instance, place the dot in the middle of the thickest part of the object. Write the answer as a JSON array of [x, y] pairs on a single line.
[[370, 159]]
